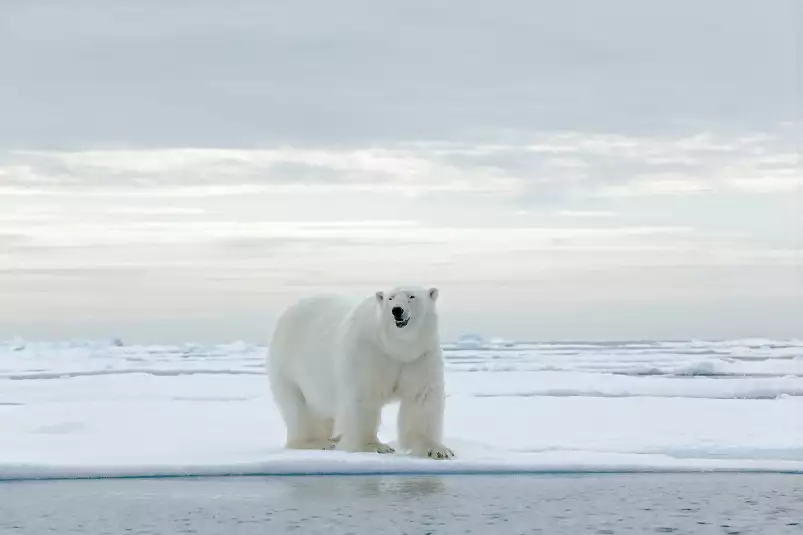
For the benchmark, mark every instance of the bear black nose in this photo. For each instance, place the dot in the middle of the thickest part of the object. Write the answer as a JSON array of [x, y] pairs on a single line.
[[397, 311]]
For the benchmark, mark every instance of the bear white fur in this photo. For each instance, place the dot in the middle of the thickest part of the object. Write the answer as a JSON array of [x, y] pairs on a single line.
[[333, 365]]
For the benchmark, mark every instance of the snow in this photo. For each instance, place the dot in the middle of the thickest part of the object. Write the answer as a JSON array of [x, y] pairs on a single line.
[[107, 409]]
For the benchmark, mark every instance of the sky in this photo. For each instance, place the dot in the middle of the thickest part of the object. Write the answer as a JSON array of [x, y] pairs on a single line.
[[575, 170]]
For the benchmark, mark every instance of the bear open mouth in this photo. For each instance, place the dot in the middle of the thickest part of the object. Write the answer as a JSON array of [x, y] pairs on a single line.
[[402, 323]]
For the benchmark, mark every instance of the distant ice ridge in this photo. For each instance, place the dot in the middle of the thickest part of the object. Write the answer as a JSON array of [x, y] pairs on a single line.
[[462, 341], [476, 341], [92, 408]]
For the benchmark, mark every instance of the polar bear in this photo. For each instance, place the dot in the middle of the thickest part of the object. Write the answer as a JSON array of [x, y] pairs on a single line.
[[333, 365]]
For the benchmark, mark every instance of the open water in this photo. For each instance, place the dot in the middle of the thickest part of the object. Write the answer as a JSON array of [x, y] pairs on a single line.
[[766, 504]]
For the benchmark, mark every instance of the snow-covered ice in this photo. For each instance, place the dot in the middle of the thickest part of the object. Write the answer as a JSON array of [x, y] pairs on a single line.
[[104, 409]]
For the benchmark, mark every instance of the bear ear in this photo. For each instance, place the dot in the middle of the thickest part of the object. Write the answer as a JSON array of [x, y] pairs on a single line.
[[433, 293], [380, 296]]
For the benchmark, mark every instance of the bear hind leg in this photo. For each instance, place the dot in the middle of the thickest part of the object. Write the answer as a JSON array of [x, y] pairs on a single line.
[[305, 429]]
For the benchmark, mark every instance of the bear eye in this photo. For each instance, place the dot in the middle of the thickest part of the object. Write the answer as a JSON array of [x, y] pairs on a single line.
[[412, 297]]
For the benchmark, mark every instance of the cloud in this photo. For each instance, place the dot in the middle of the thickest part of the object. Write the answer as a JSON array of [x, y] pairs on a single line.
[[548, 165], [660, 184], [71, 234], [154, 211], [768, 184], [586, 213], [193, 172]]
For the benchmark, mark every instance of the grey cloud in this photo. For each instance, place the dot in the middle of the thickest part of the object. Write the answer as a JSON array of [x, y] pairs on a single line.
[[248, 72]]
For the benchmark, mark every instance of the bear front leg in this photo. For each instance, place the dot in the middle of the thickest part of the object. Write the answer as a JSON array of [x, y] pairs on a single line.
[[360, 426], [420, 424]]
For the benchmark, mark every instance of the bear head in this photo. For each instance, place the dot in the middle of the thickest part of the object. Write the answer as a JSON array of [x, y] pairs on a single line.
[[408, 313]]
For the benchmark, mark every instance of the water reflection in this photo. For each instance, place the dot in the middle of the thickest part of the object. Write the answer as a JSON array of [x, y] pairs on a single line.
[[351, 488]]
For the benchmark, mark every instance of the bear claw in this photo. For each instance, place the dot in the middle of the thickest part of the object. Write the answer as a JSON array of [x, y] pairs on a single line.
[[446, 453], [383, 448]]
